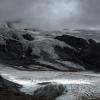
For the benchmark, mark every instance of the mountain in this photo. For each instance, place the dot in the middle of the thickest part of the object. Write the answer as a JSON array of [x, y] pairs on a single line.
[[29, 49], [49, 65]]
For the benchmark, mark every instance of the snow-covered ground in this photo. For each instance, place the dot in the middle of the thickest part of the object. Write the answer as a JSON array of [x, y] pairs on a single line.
[[75, 84]]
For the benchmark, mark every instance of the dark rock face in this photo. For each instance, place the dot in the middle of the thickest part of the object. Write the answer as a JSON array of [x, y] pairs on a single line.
[[11, 91], [66, 53], [8, 87], [28, 37], [91, 55], [14, 48], [75, 42], [2, 51], [86, 53]]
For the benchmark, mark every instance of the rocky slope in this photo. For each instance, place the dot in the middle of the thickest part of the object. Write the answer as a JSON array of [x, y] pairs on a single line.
[[30, 49]]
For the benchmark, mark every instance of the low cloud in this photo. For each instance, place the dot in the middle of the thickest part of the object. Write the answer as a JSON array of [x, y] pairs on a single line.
[[52, 14]]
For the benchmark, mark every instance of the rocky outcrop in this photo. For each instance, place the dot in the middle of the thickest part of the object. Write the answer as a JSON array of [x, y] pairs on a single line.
[[11, 49], [44, 93], [9, 88], [76, 42], [28, 37], [86, 53], [91, 55], [14, 48], [11, 91]]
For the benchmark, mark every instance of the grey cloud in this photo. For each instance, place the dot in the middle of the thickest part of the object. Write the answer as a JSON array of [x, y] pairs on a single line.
[[91, 12], [53, 14]]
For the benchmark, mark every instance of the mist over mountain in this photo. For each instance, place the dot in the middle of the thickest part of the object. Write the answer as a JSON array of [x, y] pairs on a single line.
[[52, 14]]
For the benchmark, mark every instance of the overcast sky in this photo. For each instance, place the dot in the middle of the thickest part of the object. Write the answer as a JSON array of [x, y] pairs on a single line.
[[52, 14]]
